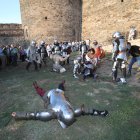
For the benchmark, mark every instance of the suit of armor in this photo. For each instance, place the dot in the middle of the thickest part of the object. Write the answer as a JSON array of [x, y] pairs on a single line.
[[31, 54], [58, 107], [119, 58], [77, 67], [43, 52], [83, 50]]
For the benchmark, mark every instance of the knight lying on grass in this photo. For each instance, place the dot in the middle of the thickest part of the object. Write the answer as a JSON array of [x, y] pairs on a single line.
[[58, 107]]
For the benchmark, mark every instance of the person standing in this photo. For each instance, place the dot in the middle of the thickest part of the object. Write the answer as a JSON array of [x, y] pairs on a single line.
[[134, 51], [22, 53], [14, 54], [132, 33], [119, 57], [31, 54], [83, 49], [43, 52]]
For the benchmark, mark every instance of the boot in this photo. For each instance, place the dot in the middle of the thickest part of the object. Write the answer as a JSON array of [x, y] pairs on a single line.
[[23, 115], [28, 65], [35, 64]]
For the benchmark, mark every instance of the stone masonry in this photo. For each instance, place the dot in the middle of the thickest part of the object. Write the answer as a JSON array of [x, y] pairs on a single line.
[[78, 19], [103, 17], [51, 19], [11, 33]]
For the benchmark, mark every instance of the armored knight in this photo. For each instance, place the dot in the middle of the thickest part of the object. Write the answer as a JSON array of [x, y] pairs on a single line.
[[83, 50], [77, 67], [119, 57], [49, 49], [64, 49], [31, 55], [58, 107], [43, 52], [56, 47]]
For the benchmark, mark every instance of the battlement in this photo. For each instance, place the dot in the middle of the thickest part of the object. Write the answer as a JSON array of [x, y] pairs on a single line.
[[11, 30], [11, 33]]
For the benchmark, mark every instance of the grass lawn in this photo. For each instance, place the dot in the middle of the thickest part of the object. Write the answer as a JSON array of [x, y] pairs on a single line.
[[18, 94]]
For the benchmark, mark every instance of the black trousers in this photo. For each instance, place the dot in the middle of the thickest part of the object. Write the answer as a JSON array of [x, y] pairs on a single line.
[[29, 64]]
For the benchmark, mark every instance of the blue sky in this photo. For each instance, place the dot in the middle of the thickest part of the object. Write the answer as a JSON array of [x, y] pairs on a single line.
[[10, 11]]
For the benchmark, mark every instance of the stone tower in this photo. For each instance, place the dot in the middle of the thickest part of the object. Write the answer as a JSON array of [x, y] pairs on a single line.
[[51, 19], [75, 19]]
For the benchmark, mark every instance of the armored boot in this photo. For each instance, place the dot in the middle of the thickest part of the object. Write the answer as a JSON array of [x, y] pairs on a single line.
[[114, 75], [28, 65], [35, 64], [24, 116], [40, 65], [95, 112], [102, 113], [88, 111]]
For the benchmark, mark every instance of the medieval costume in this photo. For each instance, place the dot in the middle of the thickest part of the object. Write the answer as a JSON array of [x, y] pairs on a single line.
[[77, 67], [119, 57], [58, 107], [31, 55]]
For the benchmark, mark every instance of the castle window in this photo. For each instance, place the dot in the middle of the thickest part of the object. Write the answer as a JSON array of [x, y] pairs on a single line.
[[46, 18], [121, 0]]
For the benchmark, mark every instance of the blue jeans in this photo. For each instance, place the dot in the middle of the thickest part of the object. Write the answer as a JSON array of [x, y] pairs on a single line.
[[132, 61]]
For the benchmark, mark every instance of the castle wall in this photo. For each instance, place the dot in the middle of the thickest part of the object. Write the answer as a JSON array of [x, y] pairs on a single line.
[[70, 19], [51, 19], [103, 17], [11, 33]]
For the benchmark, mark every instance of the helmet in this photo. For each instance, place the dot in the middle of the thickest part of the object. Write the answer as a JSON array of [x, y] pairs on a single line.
[[84, 42], [116, 35], [42, 42], [95, 42], [33, 43], [79, 59], [55, 41]]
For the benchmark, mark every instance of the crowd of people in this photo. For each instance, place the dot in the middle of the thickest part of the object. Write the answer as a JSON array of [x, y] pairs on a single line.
[[9, 55], [59, 52], [85, 64]]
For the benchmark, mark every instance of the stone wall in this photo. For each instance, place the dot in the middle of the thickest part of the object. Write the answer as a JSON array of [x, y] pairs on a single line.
[[103, 17], [51, 19], [70, 19], [11, 33]]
